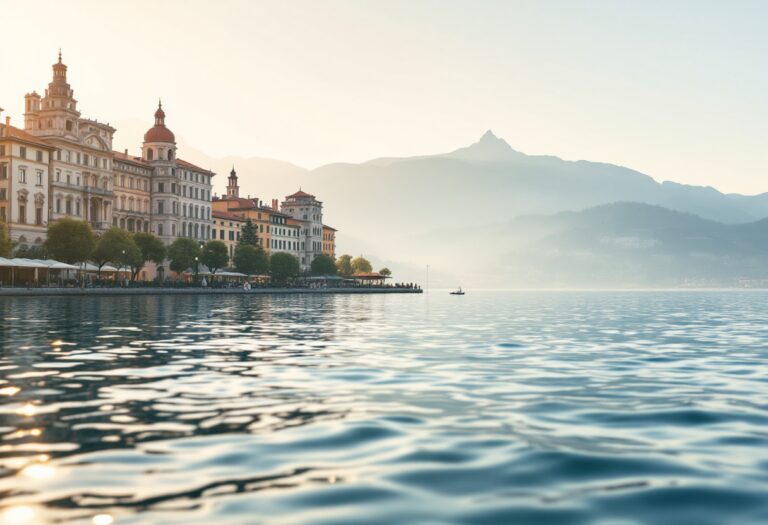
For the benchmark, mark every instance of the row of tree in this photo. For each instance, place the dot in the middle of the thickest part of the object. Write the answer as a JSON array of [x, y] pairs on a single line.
[[73, 242]]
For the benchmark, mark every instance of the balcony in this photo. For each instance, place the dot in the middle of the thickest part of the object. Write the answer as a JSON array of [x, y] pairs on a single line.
[[100, 225], [95, 190]]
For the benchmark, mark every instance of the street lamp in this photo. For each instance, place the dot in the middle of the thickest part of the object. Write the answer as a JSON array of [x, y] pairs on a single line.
[[196, 269]]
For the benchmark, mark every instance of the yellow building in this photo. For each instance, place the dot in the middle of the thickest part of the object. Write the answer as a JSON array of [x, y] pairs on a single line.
[[329, 241], [226, 228]]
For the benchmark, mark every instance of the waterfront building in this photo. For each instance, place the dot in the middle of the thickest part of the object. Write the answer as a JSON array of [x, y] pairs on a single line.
[[329, 241], [307, 212], [133, 182], [80, 174], [226, 228], [284, 235], [24, 187], [70, 170]]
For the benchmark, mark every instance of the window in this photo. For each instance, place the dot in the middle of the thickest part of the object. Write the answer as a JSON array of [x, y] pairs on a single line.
[[161, 187], [221, 234], [231, 235], [39, 178], [39, 216], [22, 175], [22, 213], [69, 125], [3, 171], [58, 205], [39, 156], [23, 152], [2, 213], [160, 207], [150, 156], [2, 150], [77, 208], [3, 195], [159, 229]]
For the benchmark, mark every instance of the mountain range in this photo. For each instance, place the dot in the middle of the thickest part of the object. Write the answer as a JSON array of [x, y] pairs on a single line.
[[450, 210]]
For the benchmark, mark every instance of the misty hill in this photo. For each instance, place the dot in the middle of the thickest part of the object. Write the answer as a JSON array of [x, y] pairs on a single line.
[[400, 202], [630, 244]]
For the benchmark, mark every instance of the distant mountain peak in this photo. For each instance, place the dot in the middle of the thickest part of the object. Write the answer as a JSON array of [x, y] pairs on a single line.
[[489, 148], [489, 136]]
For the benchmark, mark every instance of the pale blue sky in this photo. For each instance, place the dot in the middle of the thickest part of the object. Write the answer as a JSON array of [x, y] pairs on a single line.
[[676, 89]]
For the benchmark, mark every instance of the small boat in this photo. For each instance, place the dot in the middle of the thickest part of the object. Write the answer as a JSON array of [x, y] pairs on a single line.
[[458, 292]]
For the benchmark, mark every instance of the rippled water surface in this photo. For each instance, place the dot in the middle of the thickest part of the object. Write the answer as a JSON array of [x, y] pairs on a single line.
[[508, 408]]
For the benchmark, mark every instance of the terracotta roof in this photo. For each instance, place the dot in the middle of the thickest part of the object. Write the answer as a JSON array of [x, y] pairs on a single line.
[[326, 227], [159, 134], [301, 195], [19, 134], [130, 158], [227, 215], [240, 203], [188, 165]]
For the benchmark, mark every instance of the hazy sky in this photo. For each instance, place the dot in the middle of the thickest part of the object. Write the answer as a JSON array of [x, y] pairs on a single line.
[[676, 89]]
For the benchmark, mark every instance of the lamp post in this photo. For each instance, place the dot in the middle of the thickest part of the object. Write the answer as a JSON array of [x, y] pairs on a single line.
[[122, 261], [196, 269]]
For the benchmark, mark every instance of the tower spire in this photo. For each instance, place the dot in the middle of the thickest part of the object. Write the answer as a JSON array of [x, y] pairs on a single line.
[[59, 55]]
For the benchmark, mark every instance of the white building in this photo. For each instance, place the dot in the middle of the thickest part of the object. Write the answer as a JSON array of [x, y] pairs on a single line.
[[24, 172], [81, 180], [307, 212]]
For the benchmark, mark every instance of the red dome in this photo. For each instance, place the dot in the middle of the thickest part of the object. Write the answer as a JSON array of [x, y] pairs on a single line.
[[159, 134]]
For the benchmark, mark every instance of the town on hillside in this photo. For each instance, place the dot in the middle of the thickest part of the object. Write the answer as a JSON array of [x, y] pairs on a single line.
[[60, 168]]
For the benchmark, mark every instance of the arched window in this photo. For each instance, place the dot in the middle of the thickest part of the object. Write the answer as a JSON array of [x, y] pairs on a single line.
[[170, 154], [150, 154]]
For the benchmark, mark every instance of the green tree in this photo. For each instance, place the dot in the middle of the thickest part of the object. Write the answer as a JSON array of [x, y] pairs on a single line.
[[70, 241], [323, 265], [182, 254], [249, 234], [115, 246], [34, 251], [214, 255], [344, 265], [361, 265], [284, 266], [6, 246], [151, 249], [251, 260], [386, 272]]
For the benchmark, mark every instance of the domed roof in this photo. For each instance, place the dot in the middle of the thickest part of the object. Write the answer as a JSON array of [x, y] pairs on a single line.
[[159, 133]]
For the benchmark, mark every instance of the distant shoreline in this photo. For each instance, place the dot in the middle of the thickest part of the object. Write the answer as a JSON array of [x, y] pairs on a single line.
[[47, 292]]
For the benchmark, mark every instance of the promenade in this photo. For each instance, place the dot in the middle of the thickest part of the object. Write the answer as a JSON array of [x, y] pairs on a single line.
[[47, 292]]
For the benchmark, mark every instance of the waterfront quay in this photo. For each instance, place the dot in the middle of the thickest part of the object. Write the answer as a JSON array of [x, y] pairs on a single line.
[[43, 292]]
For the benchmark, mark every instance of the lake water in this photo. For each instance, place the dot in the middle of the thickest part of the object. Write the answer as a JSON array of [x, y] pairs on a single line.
[[503, 408]]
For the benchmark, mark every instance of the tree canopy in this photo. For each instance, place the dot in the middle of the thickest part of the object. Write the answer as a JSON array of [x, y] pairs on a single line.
[[70, 241], [385, 271], [182, 254], [284, 266], [361, 265], [33, 251], [214, 255], [344, 265], [323, 265], [5, 241], [251, 260], [249, 234], [115, 246], [151, 249]]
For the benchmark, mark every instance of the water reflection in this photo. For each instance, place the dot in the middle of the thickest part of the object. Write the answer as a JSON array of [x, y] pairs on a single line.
[[501, 408]]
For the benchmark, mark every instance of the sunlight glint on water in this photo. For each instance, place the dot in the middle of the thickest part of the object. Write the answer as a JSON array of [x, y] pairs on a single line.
[[489, 408]]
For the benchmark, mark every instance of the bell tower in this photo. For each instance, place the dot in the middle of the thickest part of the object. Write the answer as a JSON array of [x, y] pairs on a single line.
[[233, 190]]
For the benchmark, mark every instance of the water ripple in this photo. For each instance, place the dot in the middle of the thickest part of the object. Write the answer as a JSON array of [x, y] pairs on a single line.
[[593, 408]]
